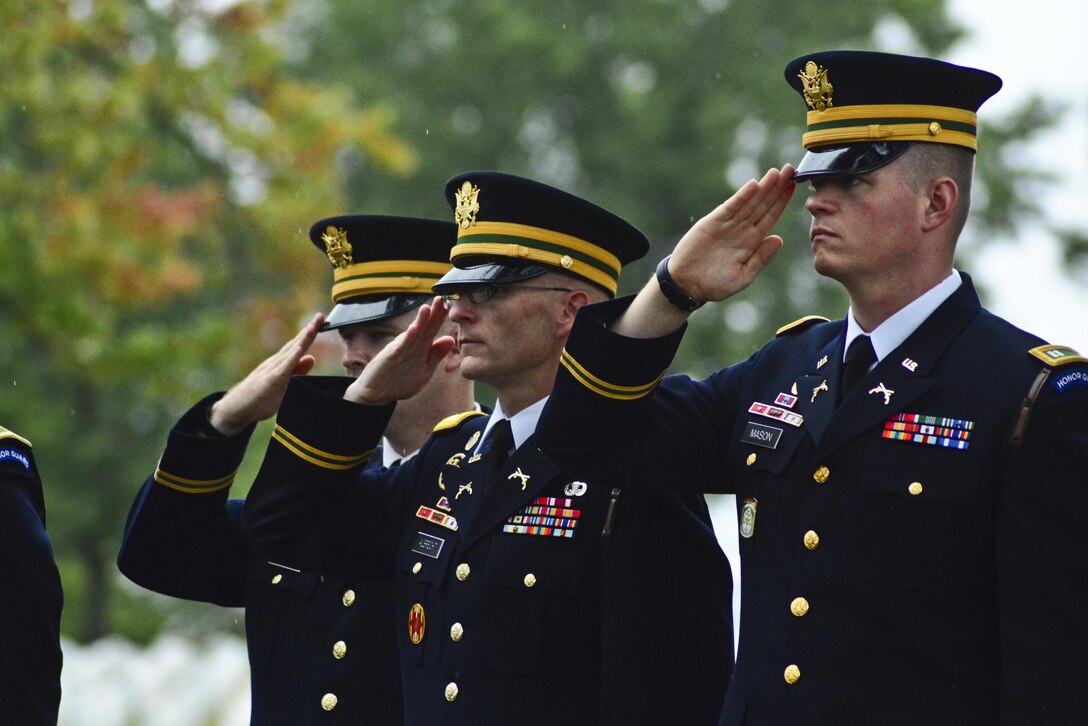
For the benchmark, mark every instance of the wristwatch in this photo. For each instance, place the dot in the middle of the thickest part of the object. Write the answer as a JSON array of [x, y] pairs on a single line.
[[673, 292]]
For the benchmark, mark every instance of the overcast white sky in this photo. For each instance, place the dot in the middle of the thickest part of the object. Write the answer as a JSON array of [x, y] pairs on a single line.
[[1036, 49]]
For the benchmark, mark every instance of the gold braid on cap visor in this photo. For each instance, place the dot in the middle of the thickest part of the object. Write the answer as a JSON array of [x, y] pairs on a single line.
[[535, 244], [387, 276], [891, 122]]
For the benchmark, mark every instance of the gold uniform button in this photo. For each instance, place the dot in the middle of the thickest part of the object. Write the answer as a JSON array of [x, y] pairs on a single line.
[[339, 649], [792, 674], [751, 459], [416, 568], [457, 632], [277, 579], [463, 571], [349, 598], [328, 701], [530, 580], [934, 128], [451, 692], [915, 488], [812, 540], [821, 475], [799, 606]]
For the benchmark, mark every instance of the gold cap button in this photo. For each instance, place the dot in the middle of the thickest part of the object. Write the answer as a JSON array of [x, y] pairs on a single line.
[[416, 568], [934, 128], [812, 540], [328, 701], [456, 632], [792, 674], [530, 580], [463, 571], [821, 475], [451, 692], [277, 579], [751, 459], [339, 649], [915, 488], [349, 598], [566, 262], [799, 606]]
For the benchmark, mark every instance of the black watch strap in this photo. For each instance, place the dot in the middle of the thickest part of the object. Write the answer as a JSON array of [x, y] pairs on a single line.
[[673, 292]]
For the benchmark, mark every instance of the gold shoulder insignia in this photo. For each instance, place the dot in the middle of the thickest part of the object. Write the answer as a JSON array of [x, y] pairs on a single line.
[[1057, 355], [6, 434], [800, 324], [450, 423]]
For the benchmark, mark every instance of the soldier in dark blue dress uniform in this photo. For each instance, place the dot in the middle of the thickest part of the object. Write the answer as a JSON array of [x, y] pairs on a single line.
[[322, 649], [31, 602], [524, 595], [912, 516]]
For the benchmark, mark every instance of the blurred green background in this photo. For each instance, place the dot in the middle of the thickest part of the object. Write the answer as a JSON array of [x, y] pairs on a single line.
[[161, 162]]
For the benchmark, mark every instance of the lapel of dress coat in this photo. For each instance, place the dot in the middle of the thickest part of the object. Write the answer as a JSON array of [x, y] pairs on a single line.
[[904, 375], [525, 473]]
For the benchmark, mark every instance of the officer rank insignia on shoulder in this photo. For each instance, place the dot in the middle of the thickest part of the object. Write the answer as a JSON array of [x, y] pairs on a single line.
[[545, 517], [1056, 356], [801, 324]]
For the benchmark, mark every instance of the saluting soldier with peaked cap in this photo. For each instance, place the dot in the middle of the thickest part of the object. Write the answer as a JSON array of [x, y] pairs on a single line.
[[910, 480], [322, 649], [524, 595]]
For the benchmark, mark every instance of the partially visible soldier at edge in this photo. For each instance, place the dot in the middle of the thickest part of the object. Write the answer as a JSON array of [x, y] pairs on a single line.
[[321, 649], [32, 599], [911, 480]]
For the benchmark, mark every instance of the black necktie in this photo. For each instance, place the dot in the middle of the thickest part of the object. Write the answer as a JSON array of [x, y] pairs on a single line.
[[859, 356], [501, 440]]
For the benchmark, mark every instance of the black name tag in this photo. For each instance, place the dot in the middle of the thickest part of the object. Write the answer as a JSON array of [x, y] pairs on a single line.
[[428, 545], [762, 435]]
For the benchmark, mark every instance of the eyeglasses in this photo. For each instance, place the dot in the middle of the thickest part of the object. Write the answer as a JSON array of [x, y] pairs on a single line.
[[480, 294]]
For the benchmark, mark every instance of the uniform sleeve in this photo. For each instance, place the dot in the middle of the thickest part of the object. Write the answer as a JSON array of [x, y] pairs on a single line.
[[615, 417], [30, 606], [311, 503], [1043, 558], [183, 537]]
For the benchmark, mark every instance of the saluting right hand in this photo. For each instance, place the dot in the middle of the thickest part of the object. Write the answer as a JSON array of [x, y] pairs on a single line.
[[258, 395]]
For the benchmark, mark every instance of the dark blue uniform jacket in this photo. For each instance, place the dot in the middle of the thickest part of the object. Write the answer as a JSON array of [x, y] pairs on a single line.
[[911, 557], [31, 598], [321, 649], [511, 608]]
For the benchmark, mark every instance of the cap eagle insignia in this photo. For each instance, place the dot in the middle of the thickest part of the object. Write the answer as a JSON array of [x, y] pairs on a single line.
[[468, 205], [337, 246], [817, 88]]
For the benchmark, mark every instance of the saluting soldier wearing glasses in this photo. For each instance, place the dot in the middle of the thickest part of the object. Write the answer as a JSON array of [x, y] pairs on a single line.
[[524, 595]]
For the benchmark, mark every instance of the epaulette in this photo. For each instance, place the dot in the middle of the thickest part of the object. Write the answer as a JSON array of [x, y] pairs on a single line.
[[450, 423], [800, 324], [6, 434], [1057, 355]]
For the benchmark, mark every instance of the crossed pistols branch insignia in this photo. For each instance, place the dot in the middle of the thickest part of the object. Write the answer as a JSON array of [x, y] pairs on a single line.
[[519, 474], [886, 392]]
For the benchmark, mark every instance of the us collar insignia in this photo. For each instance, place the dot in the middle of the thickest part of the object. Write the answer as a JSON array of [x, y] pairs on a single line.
[[821, 363], [519, 474], [471, 441], [336, 246], [910, 365], [468, 205], [884, 390], [818, 89]]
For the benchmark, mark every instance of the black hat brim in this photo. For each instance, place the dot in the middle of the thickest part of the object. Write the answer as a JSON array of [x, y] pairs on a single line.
[[849, 160], [488, 274], [371, 309]]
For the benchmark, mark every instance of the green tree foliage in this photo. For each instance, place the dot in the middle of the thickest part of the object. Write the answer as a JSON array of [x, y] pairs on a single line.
[[158, 173]]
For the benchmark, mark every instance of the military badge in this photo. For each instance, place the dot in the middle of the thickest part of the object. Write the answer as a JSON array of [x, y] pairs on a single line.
[[455, 460], [467, 205], [1068, 380], [519, 474], [471, 441], [951, 433], [337, 246], [462, 489], [545, 517], [884, 391], [417, 623], [575, 488], [748, 518], [440, 518], [818, 89]]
